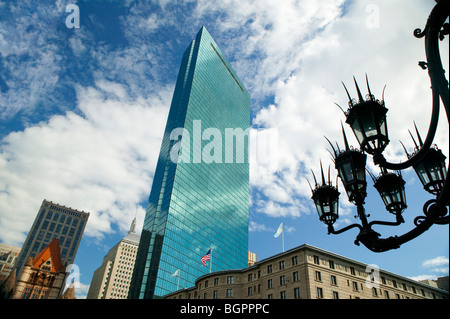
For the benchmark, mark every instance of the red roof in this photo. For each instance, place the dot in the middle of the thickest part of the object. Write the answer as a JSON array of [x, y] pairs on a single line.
[[50, 252]]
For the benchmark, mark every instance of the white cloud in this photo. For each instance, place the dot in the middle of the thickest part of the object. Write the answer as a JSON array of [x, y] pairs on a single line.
[[435, 262], [82, 291], [293, 55], [255, 227], [423, 277], [299, 52], [101, 161], [31, 56]]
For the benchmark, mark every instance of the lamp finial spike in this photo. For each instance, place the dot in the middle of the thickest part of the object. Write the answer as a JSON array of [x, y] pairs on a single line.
[[315, 180], [334, 150], [404, 148], [418, 135], [360, 97], [345, 138], [323, 176], [415, 143], [348, 94], [368, 88]]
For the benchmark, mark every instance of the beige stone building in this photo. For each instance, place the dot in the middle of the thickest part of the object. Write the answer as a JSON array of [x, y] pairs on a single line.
[[307, 272], [43, 276], [8, 256], [112, 279]]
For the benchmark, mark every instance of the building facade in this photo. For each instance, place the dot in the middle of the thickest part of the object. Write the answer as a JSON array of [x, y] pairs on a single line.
[[200, 191], [112, 279], [8, 256], [43, 276], [307, 272], [54, 221]]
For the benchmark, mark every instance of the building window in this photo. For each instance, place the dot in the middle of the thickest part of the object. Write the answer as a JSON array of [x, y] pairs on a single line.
[[394, 283], [318, 276], [229, 293], [355, 286], [282, 280], [230, 279], [295, 276], [283, 295], [297, 293], [294, 261], [282, 265], [335, 295], [249, 277], [269, 269], [269, 296], [333, 280], [319, 292], [331, 262], [404, 287], [352, 271], [374, 292], [269, 284], [316, 260], [386, 294], [216, 281], [215, 294], [250, 291]]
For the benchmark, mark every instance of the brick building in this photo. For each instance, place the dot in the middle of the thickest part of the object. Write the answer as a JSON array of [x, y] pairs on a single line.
[[307, 272]]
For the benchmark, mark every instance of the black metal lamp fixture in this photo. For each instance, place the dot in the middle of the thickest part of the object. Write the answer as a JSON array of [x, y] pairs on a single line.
[[391, 187], [351, 166], [367, 118], [432, 171], [431, 168], [326, 199]]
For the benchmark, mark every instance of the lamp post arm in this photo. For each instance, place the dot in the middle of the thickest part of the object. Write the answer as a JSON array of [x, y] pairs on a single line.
[[433, 214], [335, 232], [399, 221], [379, 245]]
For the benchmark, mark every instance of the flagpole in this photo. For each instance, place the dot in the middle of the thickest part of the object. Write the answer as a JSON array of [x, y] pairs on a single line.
[[282, 236], [210, 260], [178, 283]]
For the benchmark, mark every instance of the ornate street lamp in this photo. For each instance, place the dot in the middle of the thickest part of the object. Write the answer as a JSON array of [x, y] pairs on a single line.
[[431, 168], [391, 187], [367, 118], [326, 199], [351, 166]]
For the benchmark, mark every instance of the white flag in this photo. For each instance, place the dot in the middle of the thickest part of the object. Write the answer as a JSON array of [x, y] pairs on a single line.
[[176, 273], [279, 230]]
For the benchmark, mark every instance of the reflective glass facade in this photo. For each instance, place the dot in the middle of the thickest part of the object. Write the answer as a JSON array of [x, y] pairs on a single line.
[[200, 192]]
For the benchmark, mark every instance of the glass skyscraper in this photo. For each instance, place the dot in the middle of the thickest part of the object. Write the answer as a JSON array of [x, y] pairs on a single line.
[[200, 194]]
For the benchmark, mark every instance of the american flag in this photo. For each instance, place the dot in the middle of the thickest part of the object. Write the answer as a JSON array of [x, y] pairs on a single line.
[[206, 257]]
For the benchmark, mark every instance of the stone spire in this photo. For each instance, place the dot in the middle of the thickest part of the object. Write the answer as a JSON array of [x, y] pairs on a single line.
[[133, 226]]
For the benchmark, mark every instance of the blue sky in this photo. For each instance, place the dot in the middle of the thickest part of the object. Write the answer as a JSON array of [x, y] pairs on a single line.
[[82, 112]]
